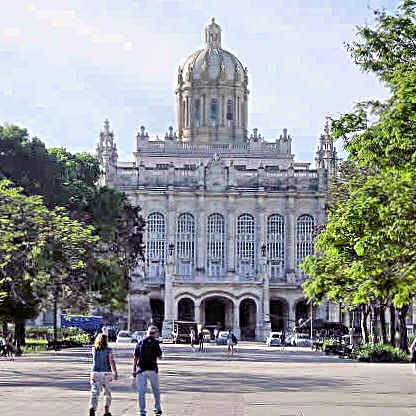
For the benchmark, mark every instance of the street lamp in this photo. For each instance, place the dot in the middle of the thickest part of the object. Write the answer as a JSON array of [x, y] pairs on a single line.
[[263, 250], [171, 248]]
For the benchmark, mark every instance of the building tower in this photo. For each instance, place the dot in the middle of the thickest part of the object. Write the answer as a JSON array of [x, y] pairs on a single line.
[[107, 153], [212, 94], [326, 154]]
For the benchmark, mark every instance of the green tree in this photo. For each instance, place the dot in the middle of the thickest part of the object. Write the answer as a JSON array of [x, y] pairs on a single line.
[[366, 252]]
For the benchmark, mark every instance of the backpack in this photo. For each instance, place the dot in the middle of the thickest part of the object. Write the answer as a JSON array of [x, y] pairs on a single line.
[[234, 339], [146, 352]]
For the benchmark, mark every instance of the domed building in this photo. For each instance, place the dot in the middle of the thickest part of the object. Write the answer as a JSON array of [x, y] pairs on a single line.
[[229, 214]]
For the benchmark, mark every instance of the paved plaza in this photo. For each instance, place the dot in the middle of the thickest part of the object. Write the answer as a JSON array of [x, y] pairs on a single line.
[[257, 381]]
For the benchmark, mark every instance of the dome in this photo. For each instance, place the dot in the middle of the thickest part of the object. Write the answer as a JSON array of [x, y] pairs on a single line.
[[213, 63]]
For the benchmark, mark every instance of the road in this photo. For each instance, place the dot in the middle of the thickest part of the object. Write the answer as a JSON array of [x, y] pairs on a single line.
[[256, 381]]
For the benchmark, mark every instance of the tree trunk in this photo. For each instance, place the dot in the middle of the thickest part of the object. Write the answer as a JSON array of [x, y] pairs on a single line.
[[5, 329], [364, 327], [19, 336], [373, 324], [392, 326], [55, 316], [402, 312], [383, 325]]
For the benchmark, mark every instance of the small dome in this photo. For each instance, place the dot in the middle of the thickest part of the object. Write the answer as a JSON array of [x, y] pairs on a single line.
[[212, 63]]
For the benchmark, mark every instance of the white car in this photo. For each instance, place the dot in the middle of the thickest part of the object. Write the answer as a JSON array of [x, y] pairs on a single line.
[[275, 338], [207, 335], [138, 335], [302, 340], [124, 337], [222, 338]]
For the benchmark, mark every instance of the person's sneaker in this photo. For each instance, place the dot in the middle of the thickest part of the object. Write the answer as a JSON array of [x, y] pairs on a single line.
[[92, 412], [158, 413], [107, 414]]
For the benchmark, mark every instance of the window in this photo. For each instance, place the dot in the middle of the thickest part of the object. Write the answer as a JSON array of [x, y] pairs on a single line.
[[185, 244], [197, 112], [229, 113], [213, 113], [215, 245], [304, 242], [276, 245], [156, 245], [246, 244]]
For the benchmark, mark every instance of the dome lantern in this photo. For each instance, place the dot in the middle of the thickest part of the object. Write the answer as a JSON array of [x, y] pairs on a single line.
[[212, 94]]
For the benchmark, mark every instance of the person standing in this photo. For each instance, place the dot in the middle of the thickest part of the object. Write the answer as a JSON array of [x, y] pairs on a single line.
[[201, 341], [103, 371], [145, 368], [193, 340], [230, 342]]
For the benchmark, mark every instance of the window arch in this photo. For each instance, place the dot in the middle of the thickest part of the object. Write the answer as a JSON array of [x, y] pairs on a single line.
[[197, 112], [229, 113], [213, 112], [215, 245], [304, 239], [185, 244], [156, 244], [246, 244], [276, 245]]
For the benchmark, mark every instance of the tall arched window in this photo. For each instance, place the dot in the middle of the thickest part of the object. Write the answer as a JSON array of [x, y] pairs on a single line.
[[185, 244], [276, 245], [246, 244], [304, 240], [156, 245], [213, 112], [229, 113], [197, 112], [215, 245]]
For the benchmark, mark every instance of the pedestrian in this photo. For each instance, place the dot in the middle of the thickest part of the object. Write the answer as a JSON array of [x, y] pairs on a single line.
[[230, 342], [193, 340], [413, 352], [103, 371], [201, 341], [145, 368], [216, 333]]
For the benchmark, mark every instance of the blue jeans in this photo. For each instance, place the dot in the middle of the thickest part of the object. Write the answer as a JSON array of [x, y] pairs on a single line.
[[142, 386]]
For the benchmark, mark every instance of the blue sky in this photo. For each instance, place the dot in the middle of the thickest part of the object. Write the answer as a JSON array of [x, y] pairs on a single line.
[[67, 65]]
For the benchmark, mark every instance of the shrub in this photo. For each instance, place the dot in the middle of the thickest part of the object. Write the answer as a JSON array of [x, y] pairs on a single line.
[[380, 353]]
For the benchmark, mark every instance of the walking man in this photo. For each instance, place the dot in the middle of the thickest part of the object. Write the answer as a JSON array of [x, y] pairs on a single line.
[[145, 368], [201, 341], [193, 340], [231, 340]]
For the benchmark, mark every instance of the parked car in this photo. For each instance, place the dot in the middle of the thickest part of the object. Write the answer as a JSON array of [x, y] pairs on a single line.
[[137, 336], [275, 338], [222, 338], [207, 335], [124, 337], [302, 340], [290, 339]]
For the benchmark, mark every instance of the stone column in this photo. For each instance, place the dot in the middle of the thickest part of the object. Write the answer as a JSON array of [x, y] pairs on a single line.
[[260, 328], [169, 301], [202, 233], [198, 313], [170, 269], [291, 240], [292, 316], [267, 327], [231, 263], [236, 328]]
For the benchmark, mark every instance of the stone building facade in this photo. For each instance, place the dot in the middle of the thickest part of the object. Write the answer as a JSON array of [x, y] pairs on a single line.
[[229, 214]]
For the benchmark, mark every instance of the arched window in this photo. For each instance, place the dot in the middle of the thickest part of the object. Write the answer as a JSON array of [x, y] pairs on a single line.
[[229, 113], [215, 245], [213, 113], [246, 244], [304, 240], [197, 112], [156, 245], [185, 244], [276, 245]]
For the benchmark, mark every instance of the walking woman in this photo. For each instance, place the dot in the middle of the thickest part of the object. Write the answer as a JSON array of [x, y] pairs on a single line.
[[101, 376]]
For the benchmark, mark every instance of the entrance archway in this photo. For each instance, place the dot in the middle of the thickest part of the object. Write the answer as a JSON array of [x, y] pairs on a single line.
[[158, 312], [302, 312], [217, 312], [248, 315], [279, 314], [186, 310]]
